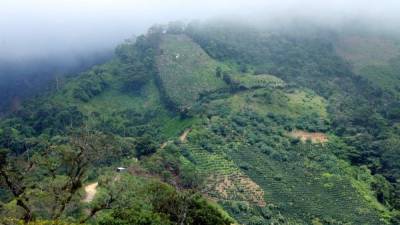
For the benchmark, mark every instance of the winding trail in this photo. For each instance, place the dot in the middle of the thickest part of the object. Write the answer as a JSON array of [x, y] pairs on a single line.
[[90, 190]]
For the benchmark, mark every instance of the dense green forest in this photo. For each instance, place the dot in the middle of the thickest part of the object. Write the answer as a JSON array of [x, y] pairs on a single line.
[[213, 123]]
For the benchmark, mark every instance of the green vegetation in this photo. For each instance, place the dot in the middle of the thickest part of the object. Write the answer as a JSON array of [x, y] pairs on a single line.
[[296, 178], [366, 48], [155, 203], [359, 111], [205, 135], [256, 81], [186, 71], [374, 57], [386, 77]]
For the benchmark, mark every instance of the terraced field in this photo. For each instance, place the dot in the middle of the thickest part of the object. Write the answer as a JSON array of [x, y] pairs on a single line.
[[295, 183], [298, 189], [303, 182]]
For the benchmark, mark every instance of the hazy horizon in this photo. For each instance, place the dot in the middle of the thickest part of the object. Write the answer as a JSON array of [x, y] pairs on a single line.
[[44, 28]]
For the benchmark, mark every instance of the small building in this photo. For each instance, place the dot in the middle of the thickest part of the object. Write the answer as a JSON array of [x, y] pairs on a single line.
[[121, 169]]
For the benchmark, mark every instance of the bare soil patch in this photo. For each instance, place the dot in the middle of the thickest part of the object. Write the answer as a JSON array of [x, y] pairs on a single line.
[[90, 190], [237, 187], [314, 137]]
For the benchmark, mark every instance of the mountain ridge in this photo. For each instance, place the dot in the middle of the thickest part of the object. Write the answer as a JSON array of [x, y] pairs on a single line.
[[242, 95]]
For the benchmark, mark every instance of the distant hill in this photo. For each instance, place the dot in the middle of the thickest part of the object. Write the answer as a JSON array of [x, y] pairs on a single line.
[[25, 78], [374, 57]]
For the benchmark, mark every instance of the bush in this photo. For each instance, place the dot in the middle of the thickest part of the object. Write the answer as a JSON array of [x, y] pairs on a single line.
[[145, 146]]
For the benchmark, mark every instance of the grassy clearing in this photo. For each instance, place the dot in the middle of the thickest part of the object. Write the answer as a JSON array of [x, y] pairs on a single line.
[[174, 126], [291, 103], [301, 102]]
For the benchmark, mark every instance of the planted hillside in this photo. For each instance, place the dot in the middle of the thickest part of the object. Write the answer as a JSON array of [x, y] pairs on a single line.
[[58, 145], [246, 146], [208, 124], [361, 104], [186, 71]]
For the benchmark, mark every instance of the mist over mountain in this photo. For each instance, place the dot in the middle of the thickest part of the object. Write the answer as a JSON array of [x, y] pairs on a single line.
[[199, 112], [26, 78], [59, 34], [39, 28]]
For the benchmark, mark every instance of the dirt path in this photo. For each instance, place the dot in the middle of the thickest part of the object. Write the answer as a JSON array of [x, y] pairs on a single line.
[[164, 145], [183, 137], [90, 190]]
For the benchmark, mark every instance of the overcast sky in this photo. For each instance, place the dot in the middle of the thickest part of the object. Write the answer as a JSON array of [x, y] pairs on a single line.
[[35, 28]]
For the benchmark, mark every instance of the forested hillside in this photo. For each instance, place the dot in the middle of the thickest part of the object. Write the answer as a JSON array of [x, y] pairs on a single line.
[[24, 78], [213, 123]]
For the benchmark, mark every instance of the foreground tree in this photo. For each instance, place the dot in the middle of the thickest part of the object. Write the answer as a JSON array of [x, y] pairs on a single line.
[[47, 183], [12, 176]]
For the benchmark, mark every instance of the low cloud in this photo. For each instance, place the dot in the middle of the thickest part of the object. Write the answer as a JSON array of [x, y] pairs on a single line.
[[42, 28]]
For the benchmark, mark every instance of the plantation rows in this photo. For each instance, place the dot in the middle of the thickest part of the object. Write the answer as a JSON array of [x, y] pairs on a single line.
[[296, 191]]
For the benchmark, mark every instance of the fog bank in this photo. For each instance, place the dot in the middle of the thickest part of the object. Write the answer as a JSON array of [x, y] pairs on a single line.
[[42, 28]]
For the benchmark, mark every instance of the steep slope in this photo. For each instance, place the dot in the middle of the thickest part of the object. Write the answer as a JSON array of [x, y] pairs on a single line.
[[362, 112], [373, 56], [104, 118], [366, 48], [198, 122], [186, 71], [21, 79], [246, 138], [246, 171]]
